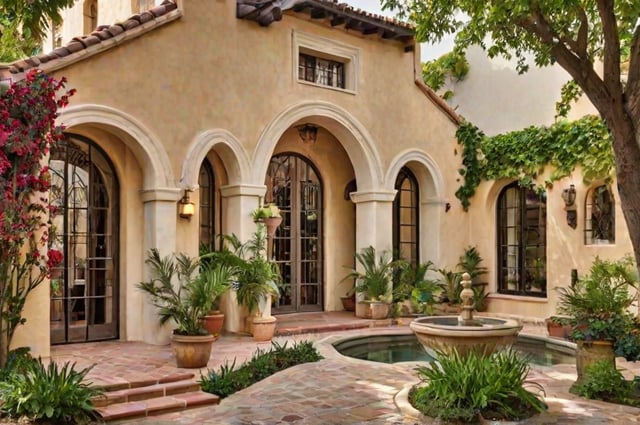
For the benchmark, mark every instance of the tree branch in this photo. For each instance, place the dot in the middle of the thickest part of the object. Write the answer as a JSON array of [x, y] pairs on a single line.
[[611, 54], [583, 33], [632, 89]]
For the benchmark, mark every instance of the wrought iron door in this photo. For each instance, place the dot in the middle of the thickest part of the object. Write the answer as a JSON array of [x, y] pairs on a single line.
[[84, 288], [294, 185]]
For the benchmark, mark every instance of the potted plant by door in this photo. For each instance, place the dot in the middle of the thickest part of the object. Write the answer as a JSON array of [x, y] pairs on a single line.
[[598, 309], [216, 280], [185, 303], [374, 282], [255, 280], [268, 214]]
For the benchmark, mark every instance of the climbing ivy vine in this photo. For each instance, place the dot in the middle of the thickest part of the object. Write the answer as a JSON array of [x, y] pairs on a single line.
[[523, 155]]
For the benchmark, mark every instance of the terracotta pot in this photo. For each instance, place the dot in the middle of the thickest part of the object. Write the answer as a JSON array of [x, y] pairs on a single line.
[[213, 323], [590, 352], [348, 303], [264, 328], [272, 224], [363, 309], [557, 330], [192, 351]]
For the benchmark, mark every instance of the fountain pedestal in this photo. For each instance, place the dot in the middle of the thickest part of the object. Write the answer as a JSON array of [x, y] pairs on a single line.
[[464, 333]]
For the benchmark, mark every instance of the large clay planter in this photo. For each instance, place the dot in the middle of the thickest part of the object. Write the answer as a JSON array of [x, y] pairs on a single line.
[[192, 351], [264, 328], [590, 352], [363, 309], [213, 323], [379, 310]]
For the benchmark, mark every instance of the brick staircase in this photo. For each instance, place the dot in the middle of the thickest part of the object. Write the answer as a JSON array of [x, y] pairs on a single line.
[[152, 397]]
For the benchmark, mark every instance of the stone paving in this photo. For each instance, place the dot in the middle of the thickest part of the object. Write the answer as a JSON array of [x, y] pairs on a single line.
[[336, 390]]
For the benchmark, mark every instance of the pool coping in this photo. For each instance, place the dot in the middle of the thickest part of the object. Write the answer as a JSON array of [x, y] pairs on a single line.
[[401, 399]]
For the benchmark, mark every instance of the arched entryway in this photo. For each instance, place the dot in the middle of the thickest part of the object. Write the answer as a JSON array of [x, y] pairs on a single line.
[[295, 186], [84, 289]]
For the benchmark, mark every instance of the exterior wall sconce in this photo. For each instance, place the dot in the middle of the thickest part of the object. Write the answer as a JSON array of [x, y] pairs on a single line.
[[569, 198], [308, 133], [186, 208]]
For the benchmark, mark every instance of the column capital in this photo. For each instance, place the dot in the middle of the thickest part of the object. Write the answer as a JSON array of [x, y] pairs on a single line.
[[373, 196], [172, 194], [243, 190]]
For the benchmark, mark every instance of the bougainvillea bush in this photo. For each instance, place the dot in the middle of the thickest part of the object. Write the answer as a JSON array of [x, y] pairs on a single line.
[[28, 110]]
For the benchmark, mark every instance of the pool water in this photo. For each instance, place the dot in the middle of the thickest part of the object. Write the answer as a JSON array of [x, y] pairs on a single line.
[[406, 348]]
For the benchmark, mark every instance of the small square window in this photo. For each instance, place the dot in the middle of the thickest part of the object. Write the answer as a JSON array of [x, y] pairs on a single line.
[[321, 71], [324, 62]]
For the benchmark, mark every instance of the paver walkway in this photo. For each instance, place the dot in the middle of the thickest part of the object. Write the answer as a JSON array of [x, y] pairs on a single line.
[[336, 390]]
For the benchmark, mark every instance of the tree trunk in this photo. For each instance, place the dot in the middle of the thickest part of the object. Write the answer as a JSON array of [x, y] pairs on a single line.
[[4, 343], [626, 147]]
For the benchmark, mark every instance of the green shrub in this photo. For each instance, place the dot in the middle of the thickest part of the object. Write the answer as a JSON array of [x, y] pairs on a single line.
[[457, 388], [229, 379], [17, 362], [39, 392], [602, 381]]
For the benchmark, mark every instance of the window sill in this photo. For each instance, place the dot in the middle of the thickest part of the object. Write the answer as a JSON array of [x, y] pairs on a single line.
[[527, 298], [338, 89]]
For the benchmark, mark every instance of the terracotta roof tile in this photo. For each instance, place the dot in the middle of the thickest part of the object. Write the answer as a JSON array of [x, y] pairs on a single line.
[[103, 35]]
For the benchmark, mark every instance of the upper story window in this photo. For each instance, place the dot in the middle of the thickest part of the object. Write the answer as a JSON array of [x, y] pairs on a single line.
[[142, 5], [325, 72], [600, 217], [325, 62], [90, 11]]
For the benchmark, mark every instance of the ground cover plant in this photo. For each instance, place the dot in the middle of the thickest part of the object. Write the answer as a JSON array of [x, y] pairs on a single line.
[[31, 390], [460, 388], [604, 382], [229, 379]]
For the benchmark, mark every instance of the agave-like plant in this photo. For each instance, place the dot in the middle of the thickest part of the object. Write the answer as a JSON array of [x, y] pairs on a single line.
[[375, 278]]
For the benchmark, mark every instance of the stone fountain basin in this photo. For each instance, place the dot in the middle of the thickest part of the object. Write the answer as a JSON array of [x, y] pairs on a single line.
[[482, 335]]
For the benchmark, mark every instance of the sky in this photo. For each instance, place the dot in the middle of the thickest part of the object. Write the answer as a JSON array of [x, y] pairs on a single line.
[[427, 51]]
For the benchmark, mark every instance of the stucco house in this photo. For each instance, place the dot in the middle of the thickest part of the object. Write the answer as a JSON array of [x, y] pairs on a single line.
[[317, 107], [228, 104]]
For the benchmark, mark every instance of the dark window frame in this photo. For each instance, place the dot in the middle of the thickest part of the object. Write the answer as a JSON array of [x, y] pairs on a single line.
[[308, 71], [600, 216], [406, 175], [521, 242]]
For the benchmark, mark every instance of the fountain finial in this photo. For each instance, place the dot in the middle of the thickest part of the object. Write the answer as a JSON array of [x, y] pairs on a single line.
[[466, 314]]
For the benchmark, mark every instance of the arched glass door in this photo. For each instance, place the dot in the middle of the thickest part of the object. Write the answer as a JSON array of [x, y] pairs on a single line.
[[84, 288], [294, 185], [405, 217]]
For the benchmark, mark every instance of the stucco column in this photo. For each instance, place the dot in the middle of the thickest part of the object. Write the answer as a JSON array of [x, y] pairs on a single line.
[[374, 218], [430, 216], [160, 217], [238, 202], [374, 224]]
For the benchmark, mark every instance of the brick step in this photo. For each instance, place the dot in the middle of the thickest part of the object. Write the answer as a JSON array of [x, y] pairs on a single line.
[[151, 397]]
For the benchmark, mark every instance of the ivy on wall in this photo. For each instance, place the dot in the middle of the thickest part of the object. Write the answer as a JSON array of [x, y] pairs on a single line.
[[523, 155]]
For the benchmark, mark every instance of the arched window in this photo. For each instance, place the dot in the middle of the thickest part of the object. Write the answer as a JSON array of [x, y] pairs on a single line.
[[521, 224], [405, 216], [90, 11], [207, 203], [600, 216]]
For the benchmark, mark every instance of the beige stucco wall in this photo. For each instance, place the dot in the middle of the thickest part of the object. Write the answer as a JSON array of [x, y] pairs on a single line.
[[210, 84], [497, 99]]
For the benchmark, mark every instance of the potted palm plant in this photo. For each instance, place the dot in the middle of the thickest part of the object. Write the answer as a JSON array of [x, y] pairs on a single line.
[[374, 282], [597, 307], [185, 303], [255, 279]]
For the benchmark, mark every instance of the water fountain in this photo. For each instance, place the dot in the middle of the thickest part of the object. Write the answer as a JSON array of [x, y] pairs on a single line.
[[464, 332]]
